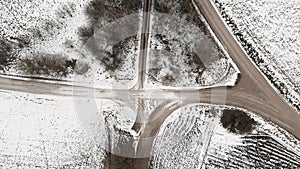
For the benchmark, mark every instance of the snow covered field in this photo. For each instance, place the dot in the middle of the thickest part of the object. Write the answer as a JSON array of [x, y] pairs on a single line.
[[183, 138], [269, 30], [193, 137], [51, 132], [43, 132]]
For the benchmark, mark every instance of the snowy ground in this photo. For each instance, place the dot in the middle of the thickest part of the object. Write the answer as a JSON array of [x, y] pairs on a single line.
[[269, 32], [51, 28], [275, 26], [44, 132], [183, 139], [183, 53], [50, 132], [193, 137]]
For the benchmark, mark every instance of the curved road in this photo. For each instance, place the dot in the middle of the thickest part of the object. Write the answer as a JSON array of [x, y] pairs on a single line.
[[253, 92]]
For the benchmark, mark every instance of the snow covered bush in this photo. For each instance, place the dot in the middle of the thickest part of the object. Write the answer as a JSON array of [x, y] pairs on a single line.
[[47, 65]]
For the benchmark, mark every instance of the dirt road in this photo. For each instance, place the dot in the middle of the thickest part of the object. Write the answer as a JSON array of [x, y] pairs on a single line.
[[144, 44], [253, 92]]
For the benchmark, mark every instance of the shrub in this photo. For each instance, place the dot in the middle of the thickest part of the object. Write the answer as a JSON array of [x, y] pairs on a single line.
[[153, 72], [5, 54], [20, 42], [85, 33], [161, 7], [237, 121], [168, 79], [108, 9], [71, 63], [113, 60], [66, 11], [95, 10], [47, 64], [81, 67], [184, 7]]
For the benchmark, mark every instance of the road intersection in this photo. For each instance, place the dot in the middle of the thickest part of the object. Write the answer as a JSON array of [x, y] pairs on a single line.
[[253, 92]]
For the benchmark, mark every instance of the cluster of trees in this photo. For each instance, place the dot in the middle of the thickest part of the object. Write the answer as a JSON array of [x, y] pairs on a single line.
[[46, 64], [199, 67], [38, 64], [237, 121], [185, 7], [162, 6], [109, 10], [8, 49], [113, 60]]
